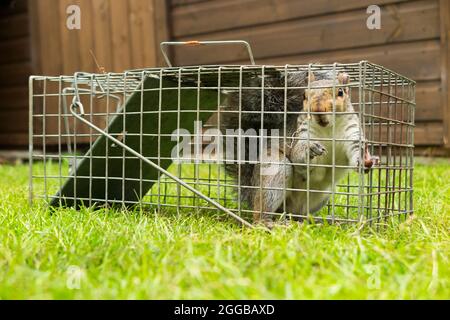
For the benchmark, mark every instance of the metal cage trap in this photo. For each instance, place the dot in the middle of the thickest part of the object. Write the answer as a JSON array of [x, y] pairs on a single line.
[[156, 138]]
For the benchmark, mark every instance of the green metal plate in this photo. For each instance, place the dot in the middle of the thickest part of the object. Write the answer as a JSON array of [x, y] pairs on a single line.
[[103, 175]]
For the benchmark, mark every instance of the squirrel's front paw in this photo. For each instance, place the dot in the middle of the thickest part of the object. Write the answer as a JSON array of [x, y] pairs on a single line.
[[316, 149]]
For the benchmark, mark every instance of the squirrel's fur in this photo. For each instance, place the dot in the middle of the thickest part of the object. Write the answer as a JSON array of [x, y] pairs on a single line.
[[284, 160], [250, 115]]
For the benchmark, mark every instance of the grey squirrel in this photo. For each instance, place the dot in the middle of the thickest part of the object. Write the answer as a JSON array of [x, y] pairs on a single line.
[[280, 166]]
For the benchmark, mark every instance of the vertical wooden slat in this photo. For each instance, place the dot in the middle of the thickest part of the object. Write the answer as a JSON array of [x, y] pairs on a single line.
[[445, 66], [162, 29], [47, 58], [35, 37], [86, 36], [36, 66], [142, 33], [69, 39], [120, 34], [101, 19], [49, 28]]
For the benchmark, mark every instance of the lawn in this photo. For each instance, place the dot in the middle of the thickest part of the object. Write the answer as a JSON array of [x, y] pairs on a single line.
[[89, 254]]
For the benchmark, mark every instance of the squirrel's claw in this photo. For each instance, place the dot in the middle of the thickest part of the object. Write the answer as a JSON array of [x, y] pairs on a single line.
[[316, 149]]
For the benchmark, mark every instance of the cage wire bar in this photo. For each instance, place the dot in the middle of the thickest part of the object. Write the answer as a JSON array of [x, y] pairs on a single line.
[[109, 139]]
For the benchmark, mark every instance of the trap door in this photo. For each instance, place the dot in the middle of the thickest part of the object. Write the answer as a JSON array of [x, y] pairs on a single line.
[[107, 173]]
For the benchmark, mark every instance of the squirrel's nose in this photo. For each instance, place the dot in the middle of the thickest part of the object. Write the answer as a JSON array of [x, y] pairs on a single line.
[[322, 120]]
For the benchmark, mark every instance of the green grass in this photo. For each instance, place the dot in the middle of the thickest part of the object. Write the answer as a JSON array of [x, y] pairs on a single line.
[[138, 255]]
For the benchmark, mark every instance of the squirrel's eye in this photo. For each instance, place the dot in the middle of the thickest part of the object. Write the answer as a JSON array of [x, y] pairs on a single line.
[[340, 92]]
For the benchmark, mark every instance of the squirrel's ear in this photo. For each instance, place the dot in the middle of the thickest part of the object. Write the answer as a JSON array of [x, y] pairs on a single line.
[[311, 77], [343, 78]]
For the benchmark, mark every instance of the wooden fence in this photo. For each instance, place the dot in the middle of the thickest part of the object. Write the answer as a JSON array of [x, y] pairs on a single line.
[[124, 34]]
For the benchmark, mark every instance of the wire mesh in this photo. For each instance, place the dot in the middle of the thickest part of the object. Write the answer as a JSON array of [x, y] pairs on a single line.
[[176, 118]]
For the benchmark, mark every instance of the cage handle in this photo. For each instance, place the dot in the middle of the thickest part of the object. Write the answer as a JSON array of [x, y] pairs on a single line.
[[77, 105], [164, 44]]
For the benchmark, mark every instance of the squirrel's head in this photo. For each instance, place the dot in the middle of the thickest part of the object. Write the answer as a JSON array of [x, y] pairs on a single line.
[[321, 99]]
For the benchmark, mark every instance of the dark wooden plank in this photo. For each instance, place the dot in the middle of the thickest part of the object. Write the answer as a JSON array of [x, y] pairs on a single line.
[[14, 97], [14, 120], [14, 26], [13, 7], [15, 74], [425, 134], [35, 37], [428, 104], [428, 101], [445, 66], [429, 133], [176, 3], [35, 45], [14, 50], [13, 140], [408, 21], [212, 16], [418, 60], [431, 151]]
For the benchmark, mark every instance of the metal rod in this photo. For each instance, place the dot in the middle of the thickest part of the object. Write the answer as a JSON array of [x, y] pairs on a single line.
[[30, 140], [164, 44]]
